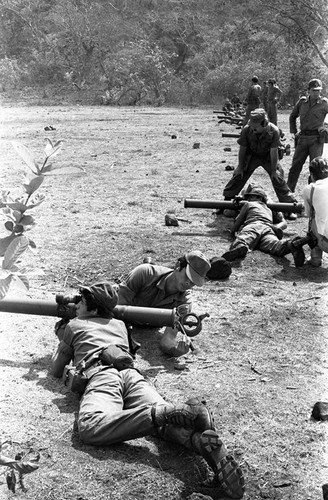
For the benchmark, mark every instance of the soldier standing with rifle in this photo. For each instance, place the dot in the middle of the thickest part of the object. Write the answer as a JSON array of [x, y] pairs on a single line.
[[118, 404], [309, 141], [258, 146]]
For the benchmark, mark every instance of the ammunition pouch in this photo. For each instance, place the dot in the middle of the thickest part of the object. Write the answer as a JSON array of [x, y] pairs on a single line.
[[117, 357], [75, 379]]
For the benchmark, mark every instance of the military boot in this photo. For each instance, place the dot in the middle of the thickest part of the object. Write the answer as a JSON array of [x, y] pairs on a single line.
[[238, 252], [295, 247], [192, 415], [228, 476]]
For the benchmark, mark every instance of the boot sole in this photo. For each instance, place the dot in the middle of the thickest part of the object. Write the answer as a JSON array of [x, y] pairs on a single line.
[[228, 474], [236, 253]]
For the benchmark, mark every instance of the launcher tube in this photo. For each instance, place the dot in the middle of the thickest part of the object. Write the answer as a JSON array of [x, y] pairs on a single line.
[[131, 314], [236, 205]]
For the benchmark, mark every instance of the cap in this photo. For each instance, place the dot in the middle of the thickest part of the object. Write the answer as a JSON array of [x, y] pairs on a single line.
[[220, 269], [197, 267], [256, 191], [257, 116], [315, 84], [104, 294]]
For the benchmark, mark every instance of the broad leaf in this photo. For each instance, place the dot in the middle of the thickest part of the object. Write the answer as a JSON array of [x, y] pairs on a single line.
[[26, 155], [27, 220], [34, 184], [49, 147], [4, 286], [16, 248], [9, 225], [55, 148], [21, 282], [17, 205], [4, 244]]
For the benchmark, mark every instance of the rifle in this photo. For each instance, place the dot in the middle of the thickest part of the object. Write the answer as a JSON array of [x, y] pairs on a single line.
[[65, 307], [238, 202]]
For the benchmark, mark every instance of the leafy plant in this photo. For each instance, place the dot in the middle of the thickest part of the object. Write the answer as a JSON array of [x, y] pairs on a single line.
[[19, 220]]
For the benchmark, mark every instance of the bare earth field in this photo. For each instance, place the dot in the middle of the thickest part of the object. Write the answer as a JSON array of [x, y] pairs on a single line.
[[261, 359]]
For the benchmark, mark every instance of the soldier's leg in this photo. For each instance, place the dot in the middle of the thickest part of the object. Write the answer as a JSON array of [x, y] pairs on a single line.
[[236, 183], [271, 244], [315, 148], [280, 186], [300, 155], [247, 239], [119, 406], [228, 477]]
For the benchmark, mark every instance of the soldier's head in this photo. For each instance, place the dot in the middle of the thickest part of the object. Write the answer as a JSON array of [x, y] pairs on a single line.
[[191, 270], [315, 87], [258, 120], [318, 168], [98, 299], [271, 81], [254, 193], [255, 79]]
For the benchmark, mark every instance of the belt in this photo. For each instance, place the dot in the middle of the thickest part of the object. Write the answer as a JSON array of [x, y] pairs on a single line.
[[309, 132]]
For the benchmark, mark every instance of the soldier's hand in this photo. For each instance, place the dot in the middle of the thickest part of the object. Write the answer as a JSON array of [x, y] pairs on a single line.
[[274, 176]]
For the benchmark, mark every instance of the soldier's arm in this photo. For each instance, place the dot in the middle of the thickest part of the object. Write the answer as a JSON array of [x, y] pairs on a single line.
[[240, 219], [61, 358], [293, 117]]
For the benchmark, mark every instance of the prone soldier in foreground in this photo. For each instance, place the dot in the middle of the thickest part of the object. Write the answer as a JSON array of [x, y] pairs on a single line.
[[258, 227], [119, 405]]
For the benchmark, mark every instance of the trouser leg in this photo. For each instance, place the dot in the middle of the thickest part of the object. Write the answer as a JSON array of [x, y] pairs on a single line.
[[280, 186], [236, 183], [249, 236], [116, 407], [272, 112], [269, 243], [301, 153]]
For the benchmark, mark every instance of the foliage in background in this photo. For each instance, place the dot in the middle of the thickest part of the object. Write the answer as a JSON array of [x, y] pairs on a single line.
[[18, 212], [151, 51]]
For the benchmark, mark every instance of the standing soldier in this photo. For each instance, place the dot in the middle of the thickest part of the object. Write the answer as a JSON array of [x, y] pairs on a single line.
[[258, 146], [273, 96], [312, 111], [265, 95], [253, 99]]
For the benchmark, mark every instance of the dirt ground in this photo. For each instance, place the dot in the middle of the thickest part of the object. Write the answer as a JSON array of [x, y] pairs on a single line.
[[261, 358]]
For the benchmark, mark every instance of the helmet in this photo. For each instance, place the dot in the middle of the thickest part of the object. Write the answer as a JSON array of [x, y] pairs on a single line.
[[256, 191]]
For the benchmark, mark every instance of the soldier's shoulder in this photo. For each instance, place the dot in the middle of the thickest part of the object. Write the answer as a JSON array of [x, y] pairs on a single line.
[[302, 98], [324, 99]]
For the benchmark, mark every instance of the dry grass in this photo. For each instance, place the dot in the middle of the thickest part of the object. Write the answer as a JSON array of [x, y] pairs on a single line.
[[261, 358]]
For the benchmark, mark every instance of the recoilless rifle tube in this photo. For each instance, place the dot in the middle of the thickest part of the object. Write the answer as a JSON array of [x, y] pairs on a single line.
[[65, 307], [236, 204]]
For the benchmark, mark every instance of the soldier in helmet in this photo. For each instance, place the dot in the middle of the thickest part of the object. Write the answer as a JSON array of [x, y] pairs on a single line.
[[118, 404], [258, 146], [258, 227], [309, 141]]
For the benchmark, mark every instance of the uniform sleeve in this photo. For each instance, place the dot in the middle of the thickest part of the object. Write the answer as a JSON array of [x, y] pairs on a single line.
[[243, 140], [293, 117], [133, 284], [63, 354], [306, 198], [275, 138]]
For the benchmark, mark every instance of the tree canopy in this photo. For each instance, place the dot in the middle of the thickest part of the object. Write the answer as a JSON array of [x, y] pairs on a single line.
[[156, 51]]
